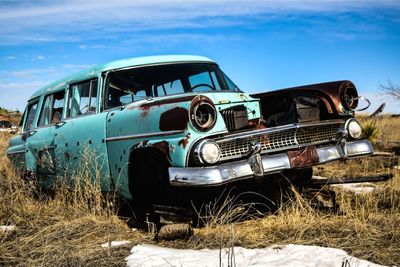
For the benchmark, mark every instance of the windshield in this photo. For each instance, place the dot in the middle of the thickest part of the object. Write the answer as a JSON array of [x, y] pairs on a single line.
[[127, 86]]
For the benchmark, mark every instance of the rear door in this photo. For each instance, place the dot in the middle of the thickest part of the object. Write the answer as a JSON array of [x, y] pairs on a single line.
[[17, 151], [40, 141], [29, 129]]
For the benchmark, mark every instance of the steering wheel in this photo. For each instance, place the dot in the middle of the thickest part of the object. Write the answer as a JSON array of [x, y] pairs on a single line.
[[202, 84]]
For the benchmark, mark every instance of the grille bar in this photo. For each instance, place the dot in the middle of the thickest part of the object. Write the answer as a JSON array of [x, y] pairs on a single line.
[[279, 138]]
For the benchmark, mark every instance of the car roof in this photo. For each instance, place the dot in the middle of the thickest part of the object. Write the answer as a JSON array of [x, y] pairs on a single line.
[[118, 64]]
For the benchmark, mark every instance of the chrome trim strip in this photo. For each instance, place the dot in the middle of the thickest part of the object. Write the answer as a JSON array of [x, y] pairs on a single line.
[[239, 170], [137, 136], [15, 152]]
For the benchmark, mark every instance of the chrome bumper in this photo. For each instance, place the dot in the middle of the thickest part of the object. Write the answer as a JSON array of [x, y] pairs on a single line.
[[239, 170]]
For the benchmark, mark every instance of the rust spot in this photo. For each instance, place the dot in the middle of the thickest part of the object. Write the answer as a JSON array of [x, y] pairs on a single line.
[[145, 111], [168, 101], [257, 124], [184, 141], [146, 106], [163, 146], [305, 157], [174, 119]]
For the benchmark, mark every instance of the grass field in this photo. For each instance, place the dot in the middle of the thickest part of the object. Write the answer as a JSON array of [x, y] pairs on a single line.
[[70, 228]]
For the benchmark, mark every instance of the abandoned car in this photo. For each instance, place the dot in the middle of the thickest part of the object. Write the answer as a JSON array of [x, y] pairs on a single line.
[[159, 129], [6, 126]]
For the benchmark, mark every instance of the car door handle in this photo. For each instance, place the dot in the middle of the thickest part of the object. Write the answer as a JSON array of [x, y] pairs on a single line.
[[32, 132], [60, 124]]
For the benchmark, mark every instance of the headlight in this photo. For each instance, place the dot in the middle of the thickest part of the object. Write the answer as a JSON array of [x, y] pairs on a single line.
[[202, 113], [208, 152], [349, 96], [353, 128]]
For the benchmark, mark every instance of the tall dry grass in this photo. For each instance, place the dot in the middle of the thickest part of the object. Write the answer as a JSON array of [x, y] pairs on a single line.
[[65, 229], [366, 226]]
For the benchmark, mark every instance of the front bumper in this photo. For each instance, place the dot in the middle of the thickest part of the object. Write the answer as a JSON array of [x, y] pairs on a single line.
[[239, 170]]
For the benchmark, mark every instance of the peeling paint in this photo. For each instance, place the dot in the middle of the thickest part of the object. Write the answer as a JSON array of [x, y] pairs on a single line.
[[184, 141]]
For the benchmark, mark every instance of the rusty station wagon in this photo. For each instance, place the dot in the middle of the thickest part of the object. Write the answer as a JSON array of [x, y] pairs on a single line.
[[162, 128]]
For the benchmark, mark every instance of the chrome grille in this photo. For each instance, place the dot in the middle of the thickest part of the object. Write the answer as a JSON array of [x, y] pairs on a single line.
[[273, 140]]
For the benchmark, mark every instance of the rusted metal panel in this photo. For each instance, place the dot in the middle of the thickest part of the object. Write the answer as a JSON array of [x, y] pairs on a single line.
[[331, 93], [305, 157]]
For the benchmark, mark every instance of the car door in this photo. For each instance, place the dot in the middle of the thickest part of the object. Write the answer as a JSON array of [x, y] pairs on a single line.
[[40, 141], [80, 147], [17, 151], [29, 130]]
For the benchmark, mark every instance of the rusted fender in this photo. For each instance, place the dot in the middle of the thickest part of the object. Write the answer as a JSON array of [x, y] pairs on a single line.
[[335, 95]]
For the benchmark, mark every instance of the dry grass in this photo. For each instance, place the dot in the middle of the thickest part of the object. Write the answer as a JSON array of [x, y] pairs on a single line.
[[388, 127], [366, 226], [69, 229]]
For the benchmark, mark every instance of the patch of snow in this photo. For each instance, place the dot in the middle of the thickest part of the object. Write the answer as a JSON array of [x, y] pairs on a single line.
[[288, 255], [356, 188], [4, 228], [115, 244]]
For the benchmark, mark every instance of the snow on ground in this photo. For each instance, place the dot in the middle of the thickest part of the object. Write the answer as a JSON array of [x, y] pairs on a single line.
[[356, 188], [4, 228], [279, 256], [115, 244]]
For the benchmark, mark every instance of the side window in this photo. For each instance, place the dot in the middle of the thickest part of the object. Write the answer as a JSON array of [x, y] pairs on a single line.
[[30, 117], [82, 98], [58, 106], [52, 109], [45, 114]]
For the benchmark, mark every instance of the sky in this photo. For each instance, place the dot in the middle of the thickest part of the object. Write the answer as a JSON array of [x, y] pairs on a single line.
[[261, 45]]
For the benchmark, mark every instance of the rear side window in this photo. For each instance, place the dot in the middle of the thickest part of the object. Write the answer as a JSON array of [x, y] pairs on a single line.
[[52, 109], [82, 98], [30, 117]]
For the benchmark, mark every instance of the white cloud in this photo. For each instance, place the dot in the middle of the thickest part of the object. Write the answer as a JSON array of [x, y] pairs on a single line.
[[10, 58], [28, 73], [61, 20], [37, 58]]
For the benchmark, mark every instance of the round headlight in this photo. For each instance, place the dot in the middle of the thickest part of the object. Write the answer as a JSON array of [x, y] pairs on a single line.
[[203, 114], [209, 152], [354, 129], [349, 96]]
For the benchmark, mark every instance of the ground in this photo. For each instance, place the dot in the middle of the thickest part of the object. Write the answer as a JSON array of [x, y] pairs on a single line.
[[71, 227]]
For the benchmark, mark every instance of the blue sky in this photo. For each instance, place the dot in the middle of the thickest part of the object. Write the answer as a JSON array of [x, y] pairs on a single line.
[[261, 45]]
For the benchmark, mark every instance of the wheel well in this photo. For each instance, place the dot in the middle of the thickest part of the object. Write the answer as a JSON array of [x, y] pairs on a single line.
[[147, 169]]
